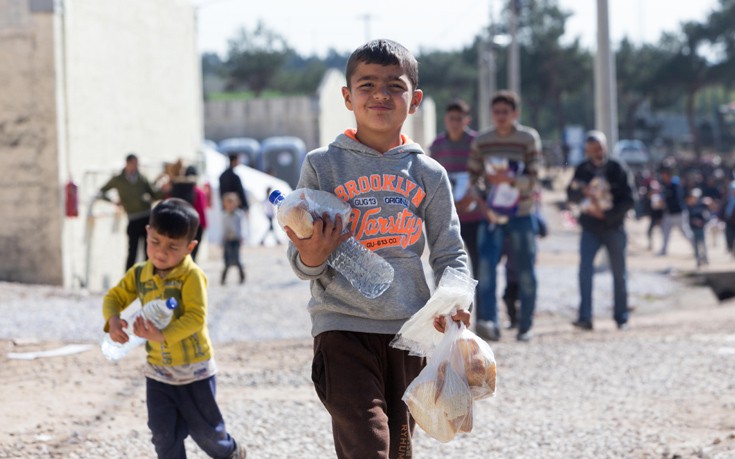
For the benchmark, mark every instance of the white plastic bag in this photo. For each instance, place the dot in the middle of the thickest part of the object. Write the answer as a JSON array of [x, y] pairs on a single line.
[[418, 335], [298, 209], [461, 370], [439, 398]]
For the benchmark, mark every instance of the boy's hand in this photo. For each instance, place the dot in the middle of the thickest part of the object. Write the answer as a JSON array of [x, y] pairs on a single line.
[[117, 330], [146, 329], [327, 235], [462, 315]]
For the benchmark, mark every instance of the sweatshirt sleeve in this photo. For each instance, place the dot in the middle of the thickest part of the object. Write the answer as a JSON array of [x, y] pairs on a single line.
[[443, 230], [308, 179], [119, 297], [623, 198], [194, 298]]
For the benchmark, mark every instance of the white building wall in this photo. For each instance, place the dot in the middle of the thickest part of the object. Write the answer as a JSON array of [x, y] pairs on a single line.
[[91, 81]]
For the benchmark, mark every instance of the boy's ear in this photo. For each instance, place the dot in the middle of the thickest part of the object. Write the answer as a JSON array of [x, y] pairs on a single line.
[[416, 98], [191, 246], [347, 97]]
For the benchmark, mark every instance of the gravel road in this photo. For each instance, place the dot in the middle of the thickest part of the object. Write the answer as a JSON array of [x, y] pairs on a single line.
[[663, 389]]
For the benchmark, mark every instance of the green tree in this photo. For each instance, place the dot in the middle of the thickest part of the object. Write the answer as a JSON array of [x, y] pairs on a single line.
[[686, 72], [636, 82], [254, 58], [551, 73]]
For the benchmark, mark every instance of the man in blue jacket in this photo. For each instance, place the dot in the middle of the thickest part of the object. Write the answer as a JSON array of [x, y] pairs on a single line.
[[602, 188]]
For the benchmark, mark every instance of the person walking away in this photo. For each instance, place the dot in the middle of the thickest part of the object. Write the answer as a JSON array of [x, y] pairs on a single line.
[[452, 149], [186, 188], [603, 188], [136, 195], [699, 216], [675, 213], [402, 202], [232, 235], [180, 369], [655, 209], [270, 215], [503, 166], [229, 182]]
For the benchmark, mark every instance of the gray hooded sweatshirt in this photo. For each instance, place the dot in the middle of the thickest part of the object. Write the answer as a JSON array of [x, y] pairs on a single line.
[[401, 201]]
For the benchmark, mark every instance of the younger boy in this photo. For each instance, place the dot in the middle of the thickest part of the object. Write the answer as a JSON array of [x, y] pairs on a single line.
[[232, 234], [180, 381], [394, 190]]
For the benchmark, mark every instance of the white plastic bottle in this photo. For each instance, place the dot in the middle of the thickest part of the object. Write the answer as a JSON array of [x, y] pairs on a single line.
[[367, 271], [158, 312]]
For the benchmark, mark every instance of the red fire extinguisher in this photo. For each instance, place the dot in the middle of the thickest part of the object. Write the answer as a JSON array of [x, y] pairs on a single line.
[[72, 199]]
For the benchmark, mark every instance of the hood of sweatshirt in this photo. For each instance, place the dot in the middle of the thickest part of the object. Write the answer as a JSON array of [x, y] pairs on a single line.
[[348, 141]]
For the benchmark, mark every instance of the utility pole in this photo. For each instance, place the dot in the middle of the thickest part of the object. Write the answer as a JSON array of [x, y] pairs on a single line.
[[487, 81], [514, 52], [367, 17], [606, 99]]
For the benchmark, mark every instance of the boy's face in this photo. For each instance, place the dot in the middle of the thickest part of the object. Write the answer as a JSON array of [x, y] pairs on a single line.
[[503, 115], [381, 96], [229, 204], [455, 121], [165, 252]]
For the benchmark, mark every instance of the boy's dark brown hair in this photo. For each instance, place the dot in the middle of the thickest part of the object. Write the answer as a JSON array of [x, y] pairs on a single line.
[[457, 105], [384, 52], [506, 97], [175, 218]]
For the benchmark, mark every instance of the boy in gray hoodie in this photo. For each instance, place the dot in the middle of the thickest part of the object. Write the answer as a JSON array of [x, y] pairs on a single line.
[[401, 200]]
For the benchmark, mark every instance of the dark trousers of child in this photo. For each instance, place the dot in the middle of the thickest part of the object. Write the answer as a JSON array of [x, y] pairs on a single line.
[[174, 412], [136, 232], [232, 258], [360, 380]]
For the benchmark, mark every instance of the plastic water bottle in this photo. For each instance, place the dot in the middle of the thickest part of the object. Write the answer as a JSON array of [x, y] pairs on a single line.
[[367, 271], [158, 312]]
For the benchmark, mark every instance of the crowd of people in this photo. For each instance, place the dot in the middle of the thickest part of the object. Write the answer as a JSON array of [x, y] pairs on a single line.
[[471, 203]]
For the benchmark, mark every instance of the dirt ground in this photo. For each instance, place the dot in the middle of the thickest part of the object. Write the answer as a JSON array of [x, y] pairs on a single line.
[[665, 388]]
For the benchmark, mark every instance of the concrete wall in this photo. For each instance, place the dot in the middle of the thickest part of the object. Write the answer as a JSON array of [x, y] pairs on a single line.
[[261, 118], [90, 83], [30, 203]]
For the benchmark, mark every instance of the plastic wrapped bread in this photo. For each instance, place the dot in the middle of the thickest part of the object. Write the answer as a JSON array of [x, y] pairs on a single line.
[[301, 206], [441, 406], [478, 364]]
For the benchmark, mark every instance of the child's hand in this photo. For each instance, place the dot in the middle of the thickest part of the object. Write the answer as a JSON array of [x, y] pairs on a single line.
[[327, 235], [146, 329], [117, 330], [461, 315]]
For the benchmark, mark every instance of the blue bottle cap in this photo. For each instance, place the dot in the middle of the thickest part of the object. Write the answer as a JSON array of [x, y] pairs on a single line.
[[276, 196], [171, 303]]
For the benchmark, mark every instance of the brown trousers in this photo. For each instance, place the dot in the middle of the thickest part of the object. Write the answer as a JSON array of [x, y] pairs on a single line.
[[360, 380]]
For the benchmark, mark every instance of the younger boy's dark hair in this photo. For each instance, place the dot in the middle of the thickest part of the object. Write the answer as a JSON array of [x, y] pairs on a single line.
[[384, 52], [506, 97], [175, 218], [458, 105]]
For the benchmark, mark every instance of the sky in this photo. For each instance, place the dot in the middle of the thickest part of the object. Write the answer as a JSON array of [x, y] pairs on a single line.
[[313, 27]]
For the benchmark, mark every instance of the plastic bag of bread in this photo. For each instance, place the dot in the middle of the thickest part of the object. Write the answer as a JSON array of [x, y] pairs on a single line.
[[478, 363], [456, 290], [298, 209], [439, 398]]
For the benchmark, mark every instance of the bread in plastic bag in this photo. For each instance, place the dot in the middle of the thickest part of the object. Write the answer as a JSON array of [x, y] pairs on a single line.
[[478, 364], [440, 399], [298, 209], [418, 336]]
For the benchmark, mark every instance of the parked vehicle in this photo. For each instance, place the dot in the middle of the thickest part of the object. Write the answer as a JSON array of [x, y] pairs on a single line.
[[633, 152]]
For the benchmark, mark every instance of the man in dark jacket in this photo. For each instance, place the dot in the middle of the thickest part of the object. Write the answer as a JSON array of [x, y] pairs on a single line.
[[136, 196], [229, 182], [602, 188]]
